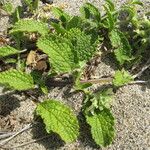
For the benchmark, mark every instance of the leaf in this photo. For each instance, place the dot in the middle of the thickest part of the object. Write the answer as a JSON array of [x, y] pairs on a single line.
[[16, 14], [64, 17], [16, 79], [58, 27], [28, 2], [137, 2], [74, 22], [121, 78], [30, 25], [35, 4], [83, 44], [77, 84], [89, 11], [38, 79], [109, 21], [102, 127], [59, 118], [7, 50], [110, 5], [121, 45], [104, 98], [60, 53], [8, 7]]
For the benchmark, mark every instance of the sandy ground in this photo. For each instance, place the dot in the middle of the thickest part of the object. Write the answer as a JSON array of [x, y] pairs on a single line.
[[130, 108]]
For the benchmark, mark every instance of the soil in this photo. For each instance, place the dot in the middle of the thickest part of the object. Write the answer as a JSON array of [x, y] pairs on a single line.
[[131, 106]]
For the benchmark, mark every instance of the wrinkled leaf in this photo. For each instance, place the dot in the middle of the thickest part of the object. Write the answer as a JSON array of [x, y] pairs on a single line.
[[60, 53], [8, 7], [121, 78], [7, 50], [59, 118], [30, 25], [110, 5], [102, 127], [89, 11], [83, 44], [64, 17], [16, 79], [137, 2], [104, 98], [121, 46], [74, 22]]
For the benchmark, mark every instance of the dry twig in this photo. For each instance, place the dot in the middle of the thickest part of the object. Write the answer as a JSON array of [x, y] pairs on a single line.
[[17, 133]]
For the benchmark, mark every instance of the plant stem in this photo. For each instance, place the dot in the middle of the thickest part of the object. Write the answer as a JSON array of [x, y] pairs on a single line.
[[27, 143], [96, 81], [146, 66], [17, 133]]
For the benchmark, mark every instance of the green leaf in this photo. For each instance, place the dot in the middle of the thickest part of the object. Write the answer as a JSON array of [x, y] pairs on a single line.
[[35, 4], [74, 22], [16, 79], [11, 61], [83, 44], [89, 11], [104, 98], [8, 7], [60, 53], [121, 45], [121, 78], [64, 17], [137, 2], [40, 81], [7, 50], [30, 25], [28, 2], [102, 127], [58, 28], [109, 21], [77, 84], [110, 5], [60, 119], [16, 14]]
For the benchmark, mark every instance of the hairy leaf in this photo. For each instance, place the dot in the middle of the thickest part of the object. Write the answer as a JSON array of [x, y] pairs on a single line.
[[30, 25], [16, 79], [17, 14], [7, 50], [137, 2], [104, 98], [82, 43], [110, 20], [60, 53], [121, 78], [58, 28], [8, 7], [89, 11], [64, 17], [77, 84], [74, 22], [102, 127], [59, 118], [121, 45], [110, 5], [28, 2]]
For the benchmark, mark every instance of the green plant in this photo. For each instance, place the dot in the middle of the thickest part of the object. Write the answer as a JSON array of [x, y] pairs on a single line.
[[73, 43], [32, 5]]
